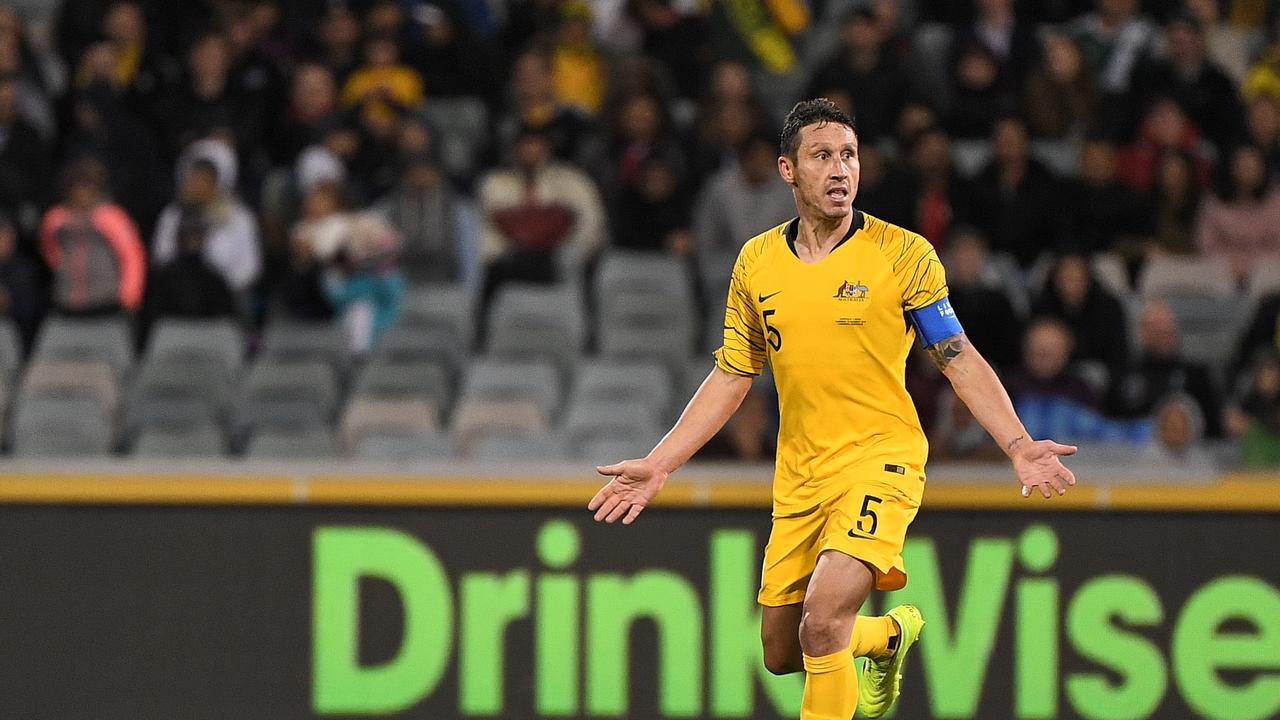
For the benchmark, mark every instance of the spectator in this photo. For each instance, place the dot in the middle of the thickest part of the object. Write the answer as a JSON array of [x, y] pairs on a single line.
[[383, 87], [187, 285], [364, 286], [1095, 317], [541, 217], [986, 312], [577, 65], [24, 160], [313, 103], [92, 247], [1061, 97], [337, 42], [653, 214], [142, 73], [722, 131], [230, 241], [1256, 420], [639, 131], [21, 296], [454, 61], [978, 99], [535, 104], [1261, 334], [1165, 129], [33, 83], [924, 192], [1015, 199], [1179, 435], [1115, 38], [1239, 223], [1174, 205], [314, 242], [1263, 128], [1008, 39], [736, 204], [1230, 45], [1200, 87], [677, 36], [436, 225], [1159, 370], [1103, 213], [1045, 375], [874, 78]]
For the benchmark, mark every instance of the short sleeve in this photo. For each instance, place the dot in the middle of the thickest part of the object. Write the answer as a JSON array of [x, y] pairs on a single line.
[[743, 351], [919, 272]]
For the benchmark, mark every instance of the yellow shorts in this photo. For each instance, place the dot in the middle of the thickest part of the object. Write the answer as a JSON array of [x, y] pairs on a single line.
[[868, 521]]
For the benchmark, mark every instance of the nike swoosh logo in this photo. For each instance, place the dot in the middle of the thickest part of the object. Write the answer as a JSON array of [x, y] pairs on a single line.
[[860, 536], [762, 298]]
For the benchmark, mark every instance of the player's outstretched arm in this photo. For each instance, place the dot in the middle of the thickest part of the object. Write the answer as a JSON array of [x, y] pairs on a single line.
[[633, 483], [1036, 462]]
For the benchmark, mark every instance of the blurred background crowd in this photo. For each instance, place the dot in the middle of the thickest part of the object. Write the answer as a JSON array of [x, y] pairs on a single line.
[[503, 228]]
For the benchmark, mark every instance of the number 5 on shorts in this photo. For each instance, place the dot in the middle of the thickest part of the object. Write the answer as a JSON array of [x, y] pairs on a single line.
[[866, 512]]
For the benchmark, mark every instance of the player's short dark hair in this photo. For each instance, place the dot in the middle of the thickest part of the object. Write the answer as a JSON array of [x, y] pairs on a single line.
[[817, 111]]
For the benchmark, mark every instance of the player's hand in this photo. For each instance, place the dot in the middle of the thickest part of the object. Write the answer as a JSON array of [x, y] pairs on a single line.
[[1038, 466], [631, 486]]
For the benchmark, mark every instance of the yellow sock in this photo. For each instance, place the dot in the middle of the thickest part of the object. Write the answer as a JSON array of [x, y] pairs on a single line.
[[830, 687], [871, 637]]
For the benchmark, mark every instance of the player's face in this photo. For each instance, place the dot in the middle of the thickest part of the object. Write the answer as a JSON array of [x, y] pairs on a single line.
[[825, 170]]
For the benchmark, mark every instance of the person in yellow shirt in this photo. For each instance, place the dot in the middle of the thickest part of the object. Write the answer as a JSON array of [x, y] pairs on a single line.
[[832, 301], [383, 85]]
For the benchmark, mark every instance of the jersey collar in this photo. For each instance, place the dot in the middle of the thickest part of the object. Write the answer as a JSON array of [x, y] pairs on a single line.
[[793, 228]]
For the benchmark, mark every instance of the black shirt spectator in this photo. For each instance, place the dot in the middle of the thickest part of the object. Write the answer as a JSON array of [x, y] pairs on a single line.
[[1096, 318], [985, 311], [874, 78], [1199, 86], [1102, 210]]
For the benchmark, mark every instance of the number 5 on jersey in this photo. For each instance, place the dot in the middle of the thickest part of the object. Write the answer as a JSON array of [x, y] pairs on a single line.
[[772, 335]]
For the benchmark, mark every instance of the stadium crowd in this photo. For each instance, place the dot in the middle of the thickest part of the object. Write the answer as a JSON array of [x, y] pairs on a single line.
[[1099, 178]]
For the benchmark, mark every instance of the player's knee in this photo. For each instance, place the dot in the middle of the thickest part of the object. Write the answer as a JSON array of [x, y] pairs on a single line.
[[822, 633], [781, 660]]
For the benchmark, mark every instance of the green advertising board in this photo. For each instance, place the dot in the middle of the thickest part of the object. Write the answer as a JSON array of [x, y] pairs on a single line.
[[284, 612]]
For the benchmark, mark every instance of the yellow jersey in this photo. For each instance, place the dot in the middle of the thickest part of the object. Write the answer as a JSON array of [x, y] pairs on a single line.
[[836, 336]]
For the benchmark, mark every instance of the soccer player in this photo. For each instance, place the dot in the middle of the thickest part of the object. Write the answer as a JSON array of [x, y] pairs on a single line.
[[831, 301]]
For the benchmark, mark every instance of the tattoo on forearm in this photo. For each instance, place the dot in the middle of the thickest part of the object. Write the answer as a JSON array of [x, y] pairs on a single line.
[[1014, 442], [944, 351]]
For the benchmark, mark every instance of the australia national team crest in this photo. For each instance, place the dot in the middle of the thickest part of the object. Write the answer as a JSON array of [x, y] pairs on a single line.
[[851, 291]]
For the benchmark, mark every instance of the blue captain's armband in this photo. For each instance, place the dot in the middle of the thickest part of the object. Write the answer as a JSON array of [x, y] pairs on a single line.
[[935, 323]]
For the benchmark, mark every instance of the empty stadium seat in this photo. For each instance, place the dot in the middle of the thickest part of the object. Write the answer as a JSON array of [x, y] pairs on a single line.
[[1264, 279], [537, 321], [197, 342], [422, 344], [646, 384], [474, 418], [61, 427], [595, 421], [1209, 275], [1112, 274], [298, 444], [289, 341], [200, 440], [90, 379], [400, 448], [79, 339], [509, 380], [10, 348], [510, 447], [291, 394], [427, 381], [402, 416], [448, 306], [600, 451], [651, 275]]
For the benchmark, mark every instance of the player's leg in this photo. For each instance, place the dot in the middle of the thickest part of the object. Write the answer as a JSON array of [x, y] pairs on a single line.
[[839, 587], [780, 637]]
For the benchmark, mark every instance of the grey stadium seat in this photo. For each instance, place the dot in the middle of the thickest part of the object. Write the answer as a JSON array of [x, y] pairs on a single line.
[[448, 306], [90, 379], [475, 418], [425, 380], [646, 274], [10, 348], [300, 394], [105, 339], [646, 384], [61, 427], [609, 450], [414, 344], [401, 448], [499, 446], [200, 440], [595, 421], [407, 416], [197, 342], [532, 321], [298, 444], [504, 380], [286, 341]]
